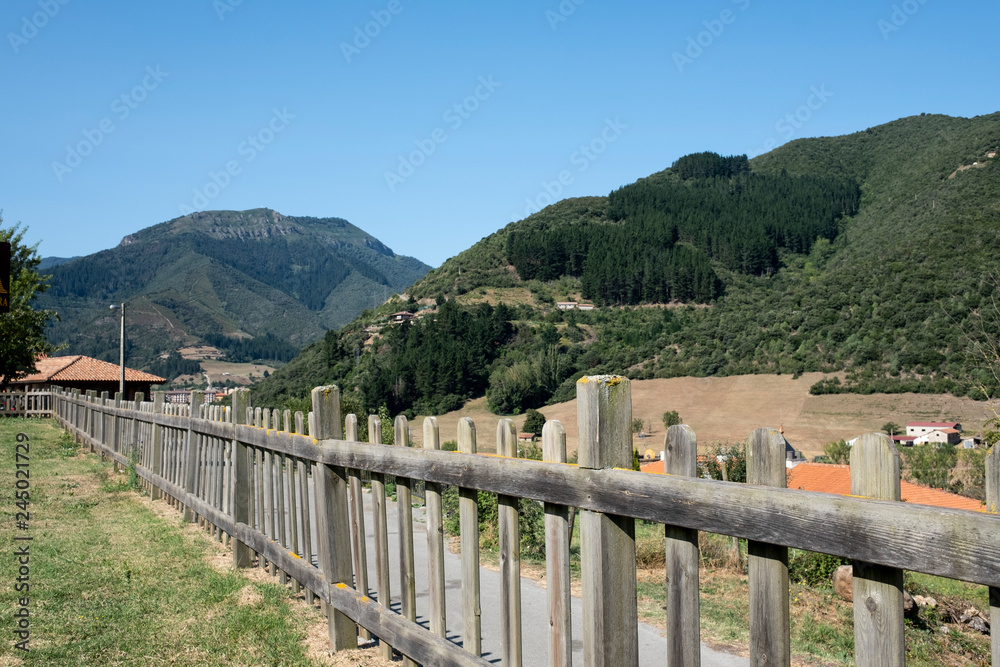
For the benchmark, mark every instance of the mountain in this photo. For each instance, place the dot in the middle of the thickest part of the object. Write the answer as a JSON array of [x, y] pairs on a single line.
[[254, 281], [49, 262], [870, 257]]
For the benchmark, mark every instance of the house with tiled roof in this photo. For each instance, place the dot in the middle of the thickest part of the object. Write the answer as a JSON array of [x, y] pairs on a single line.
[[829, 478], [85, 374]]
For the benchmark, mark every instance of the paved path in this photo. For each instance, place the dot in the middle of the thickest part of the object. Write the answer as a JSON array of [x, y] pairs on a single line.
[[652, 645]]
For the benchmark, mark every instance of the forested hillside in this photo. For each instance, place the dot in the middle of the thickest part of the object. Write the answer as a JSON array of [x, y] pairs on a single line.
[[870, 253], [255, 284]]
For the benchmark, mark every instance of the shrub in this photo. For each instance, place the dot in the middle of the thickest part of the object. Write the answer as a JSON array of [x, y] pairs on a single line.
[[813, 569]]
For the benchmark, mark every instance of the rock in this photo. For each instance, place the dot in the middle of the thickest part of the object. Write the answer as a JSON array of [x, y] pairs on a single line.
[[925, 601], [910, 608], [843, 582], [979, 625], [972, 618]]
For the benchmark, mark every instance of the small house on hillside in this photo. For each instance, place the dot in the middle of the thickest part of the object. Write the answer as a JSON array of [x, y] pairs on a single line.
[[939, 436], [566, 305], [400, 317], [85, 374]]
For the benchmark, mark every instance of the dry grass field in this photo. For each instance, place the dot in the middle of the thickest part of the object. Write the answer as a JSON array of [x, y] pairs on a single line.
[[729, 408]]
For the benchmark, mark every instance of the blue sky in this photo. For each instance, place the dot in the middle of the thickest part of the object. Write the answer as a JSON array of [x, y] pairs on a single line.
[[432, 125]]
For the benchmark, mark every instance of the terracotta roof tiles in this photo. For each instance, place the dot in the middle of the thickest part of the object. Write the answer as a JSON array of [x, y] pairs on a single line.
[[828, 478], [79, 368]]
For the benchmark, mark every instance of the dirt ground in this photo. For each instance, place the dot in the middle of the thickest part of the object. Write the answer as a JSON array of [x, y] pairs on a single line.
[[729, 408]]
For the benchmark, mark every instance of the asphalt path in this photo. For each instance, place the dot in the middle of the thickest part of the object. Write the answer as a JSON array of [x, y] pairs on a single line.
[[534, 607]]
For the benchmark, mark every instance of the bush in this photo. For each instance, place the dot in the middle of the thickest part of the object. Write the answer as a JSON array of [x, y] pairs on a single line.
[[838, 452], [813, 569], [735, 461], [531, 522], [533, 422]]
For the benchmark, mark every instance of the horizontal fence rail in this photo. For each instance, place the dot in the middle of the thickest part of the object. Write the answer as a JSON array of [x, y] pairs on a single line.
[[264, 480]]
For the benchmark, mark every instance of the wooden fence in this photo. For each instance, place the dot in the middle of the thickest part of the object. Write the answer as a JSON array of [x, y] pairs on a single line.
[[234, 469], [25, 403]]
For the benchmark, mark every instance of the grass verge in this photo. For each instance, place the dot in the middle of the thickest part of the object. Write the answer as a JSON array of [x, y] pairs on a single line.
[[117, 580]]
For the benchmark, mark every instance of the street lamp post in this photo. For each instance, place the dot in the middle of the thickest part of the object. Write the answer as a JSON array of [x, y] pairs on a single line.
[[121, 358]]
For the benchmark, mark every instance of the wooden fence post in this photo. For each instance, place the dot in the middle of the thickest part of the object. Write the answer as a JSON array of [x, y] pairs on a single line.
[[333, 517], [557, 565], [381, 533], [878, 590], [104, 420], [510, 556], [404, 514], [993, 506], [192, 450], [435, 538], [157, 459], [468, 510], [680, 447], [241, 477], [607, 542], [358, 540], [770, 643], [307, 509]]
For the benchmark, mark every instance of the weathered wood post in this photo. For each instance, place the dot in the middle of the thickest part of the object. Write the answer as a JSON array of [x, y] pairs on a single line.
[[607, 545], [468, 516], [241, 477], [104, 420], [404, 514], [878, 590], [770, 643], [435, 537], [381, 532], [358, 540], [135, 450], [333, 517], [510, 556], [557, 565], [116, 426], [192, 450], [993, 506], [307, 509], [157, 459], [680, 450]]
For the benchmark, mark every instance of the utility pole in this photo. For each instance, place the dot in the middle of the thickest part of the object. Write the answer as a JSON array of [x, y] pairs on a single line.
[[121, 357]]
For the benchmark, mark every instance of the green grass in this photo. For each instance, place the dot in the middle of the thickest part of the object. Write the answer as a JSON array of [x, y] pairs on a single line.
[[112, 583]]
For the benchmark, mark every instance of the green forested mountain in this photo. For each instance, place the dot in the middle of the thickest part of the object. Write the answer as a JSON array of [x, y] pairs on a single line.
[[256, 284], [870, 253]]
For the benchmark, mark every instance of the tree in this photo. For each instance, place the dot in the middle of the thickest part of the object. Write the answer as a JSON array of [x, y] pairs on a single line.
[[22, 330], [637, 425], [838, 452], [892, 428], [533, 422], [671, 419]]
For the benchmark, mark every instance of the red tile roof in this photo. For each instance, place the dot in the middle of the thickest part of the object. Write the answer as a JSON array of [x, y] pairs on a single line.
[[657, 466], [827, 478], [933, 424], [79, 368]]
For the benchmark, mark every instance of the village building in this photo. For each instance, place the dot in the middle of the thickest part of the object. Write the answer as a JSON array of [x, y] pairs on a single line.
[[86, 374], [917, 429], [401, 317]]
